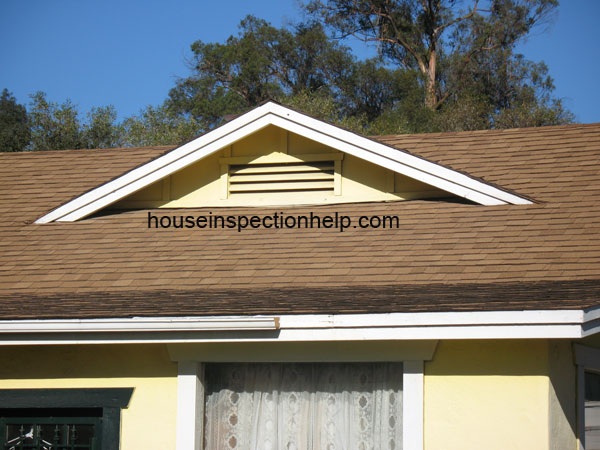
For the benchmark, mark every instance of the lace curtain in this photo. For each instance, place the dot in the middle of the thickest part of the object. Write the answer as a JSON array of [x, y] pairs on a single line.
[[303, 406]]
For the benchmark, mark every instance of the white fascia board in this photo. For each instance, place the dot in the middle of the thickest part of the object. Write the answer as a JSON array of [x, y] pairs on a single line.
[[592, 314], [112, 196], [172, 324], [591, 320], [429, 319], [568, 331], [301, 328], [399, 156], [590, 330], [173, 156], [389, 163], [301, 335], [149, 173], [273, 114]]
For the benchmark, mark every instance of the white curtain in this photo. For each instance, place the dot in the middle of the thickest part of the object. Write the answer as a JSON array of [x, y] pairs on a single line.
[[303, 406]]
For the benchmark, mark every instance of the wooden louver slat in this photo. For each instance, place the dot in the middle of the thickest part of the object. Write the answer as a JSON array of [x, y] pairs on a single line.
[[282, 177]]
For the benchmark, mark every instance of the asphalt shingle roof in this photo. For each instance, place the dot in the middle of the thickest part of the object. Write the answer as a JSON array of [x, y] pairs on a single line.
[[443, 256]]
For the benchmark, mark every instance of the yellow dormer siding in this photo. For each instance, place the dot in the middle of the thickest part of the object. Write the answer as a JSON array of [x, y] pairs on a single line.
[[277, 167]]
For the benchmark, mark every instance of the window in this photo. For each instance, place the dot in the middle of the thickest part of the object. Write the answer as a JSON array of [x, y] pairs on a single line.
[[61, 419], [592, 411], [50, 429], [303, 405]]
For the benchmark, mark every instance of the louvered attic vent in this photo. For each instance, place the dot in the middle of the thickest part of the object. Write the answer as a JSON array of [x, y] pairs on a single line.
[[280, 173], [282, 177]]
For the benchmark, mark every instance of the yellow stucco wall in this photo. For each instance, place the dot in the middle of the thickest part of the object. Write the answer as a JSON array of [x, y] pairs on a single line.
[[200, 184], [149, 421], [491, 395]]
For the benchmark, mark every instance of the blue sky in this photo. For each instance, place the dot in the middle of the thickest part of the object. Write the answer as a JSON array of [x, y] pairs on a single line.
[[129, 53]]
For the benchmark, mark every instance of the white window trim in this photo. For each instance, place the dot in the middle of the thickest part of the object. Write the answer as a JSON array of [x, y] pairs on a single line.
[[191, 397], [412, 406], [586, 359], [190, 405]]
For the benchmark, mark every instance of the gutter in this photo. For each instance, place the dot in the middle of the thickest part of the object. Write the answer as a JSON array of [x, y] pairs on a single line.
[[136, 324]]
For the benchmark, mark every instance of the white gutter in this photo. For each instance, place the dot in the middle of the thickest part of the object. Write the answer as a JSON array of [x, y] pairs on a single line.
[[541, 324], [137, 324]]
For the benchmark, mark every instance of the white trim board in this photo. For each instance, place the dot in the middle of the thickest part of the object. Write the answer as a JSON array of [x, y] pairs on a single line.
[[412, 405], [190, 405], [150, 324], [556, 324], [292, 121]]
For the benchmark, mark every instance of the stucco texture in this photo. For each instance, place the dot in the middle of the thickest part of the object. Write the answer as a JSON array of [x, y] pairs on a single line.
[[498, 395], [149, 421]]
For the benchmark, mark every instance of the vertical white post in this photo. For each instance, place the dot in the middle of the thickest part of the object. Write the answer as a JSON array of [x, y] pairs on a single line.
[[190, 405], [412, 407]]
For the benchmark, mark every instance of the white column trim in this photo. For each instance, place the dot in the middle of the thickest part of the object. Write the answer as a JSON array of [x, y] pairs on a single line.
[[412, 405], [190, 405]]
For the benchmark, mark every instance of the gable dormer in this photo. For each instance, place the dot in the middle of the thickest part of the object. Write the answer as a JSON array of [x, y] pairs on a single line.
[[273, 155], [276, 167]]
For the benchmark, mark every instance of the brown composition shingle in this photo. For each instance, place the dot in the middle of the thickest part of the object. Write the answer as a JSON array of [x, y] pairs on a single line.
[[104, 260], [551, 295]]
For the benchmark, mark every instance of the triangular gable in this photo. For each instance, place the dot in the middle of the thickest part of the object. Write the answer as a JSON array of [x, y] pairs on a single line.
[[272, 113]]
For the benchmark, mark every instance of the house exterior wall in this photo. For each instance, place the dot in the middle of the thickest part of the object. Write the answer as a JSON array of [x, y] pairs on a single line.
[[202, 184], [562, 395], [149, 421], [492, 394], [500, 394]]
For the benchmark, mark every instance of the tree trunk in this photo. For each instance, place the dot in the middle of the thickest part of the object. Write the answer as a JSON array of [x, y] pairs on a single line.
[[430, 86]]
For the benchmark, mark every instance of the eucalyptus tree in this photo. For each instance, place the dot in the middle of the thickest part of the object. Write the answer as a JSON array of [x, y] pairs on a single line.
[[438, 38]]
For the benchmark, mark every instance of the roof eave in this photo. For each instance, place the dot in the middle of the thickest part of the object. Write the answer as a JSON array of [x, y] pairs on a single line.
[[539, 324]]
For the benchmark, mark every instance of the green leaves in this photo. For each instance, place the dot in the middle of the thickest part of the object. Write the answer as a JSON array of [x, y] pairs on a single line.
[[260, 63], [443, 65], [14, 125], [438, 38], [57, 126], [157, 126], [54, 126]]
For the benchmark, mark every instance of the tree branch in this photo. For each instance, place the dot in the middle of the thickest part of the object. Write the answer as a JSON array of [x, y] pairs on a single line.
[[441, 28], [408, 47]]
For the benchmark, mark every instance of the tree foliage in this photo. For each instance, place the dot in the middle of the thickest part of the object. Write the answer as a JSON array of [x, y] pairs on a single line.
[[479, 81], [14, 126], [260, 63], [438, 38], [157, 126], [54, 126], [57, 126], [102, 129], [442, 65]]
